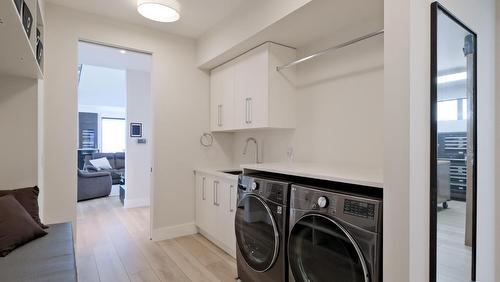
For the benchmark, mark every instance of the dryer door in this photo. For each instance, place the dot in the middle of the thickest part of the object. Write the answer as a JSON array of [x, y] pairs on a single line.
[[256, 233], [320, 249]]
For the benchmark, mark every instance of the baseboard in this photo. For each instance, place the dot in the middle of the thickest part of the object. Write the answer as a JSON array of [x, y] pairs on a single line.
[[224, 247], [170, 232], [136, 203]]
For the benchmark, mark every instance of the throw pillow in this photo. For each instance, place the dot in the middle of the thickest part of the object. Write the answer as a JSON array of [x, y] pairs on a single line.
[[101, 163], [17, 227], [28, 198]]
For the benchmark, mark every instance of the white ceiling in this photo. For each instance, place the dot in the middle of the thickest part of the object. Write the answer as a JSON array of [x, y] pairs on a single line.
[[197, 16], [100, 86], [110, 57], [320, 24]]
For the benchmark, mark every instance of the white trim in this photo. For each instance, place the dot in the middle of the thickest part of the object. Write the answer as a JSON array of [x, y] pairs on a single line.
[[170, 232], [135, 203], [218, 243]]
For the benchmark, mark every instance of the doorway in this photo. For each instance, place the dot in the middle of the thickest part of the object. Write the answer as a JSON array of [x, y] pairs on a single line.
[[114, 125], [453, 161]]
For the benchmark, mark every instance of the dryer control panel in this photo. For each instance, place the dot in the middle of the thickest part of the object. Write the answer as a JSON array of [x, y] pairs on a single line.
[[360, 211], [358, 208]]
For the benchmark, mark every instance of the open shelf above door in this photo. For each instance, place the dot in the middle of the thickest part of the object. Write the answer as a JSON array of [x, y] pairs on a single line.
[[17, 50]]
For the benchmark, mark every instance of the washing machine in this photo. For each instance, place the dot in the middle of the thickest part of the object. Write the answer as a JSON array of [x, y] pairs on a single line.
[[261, 227], [334, 236]]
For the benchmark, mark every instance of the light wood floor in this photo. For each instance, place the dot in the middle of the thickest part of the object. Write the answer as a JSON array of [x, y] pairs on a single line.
[[454, 257], [112, 244]]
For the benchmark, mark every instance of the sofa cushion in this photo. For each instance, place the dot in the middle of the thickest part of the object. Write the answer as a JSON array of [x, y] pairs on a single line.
[[50, 258], [109, 156], [101, 164], [17, 227], [119, 160], [28, 198]]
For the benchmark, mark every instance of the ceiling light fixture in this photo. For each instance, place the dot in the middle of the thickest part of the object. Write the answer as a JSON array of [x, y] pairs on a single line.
[[452, 77], [123, 51], [159, 10]]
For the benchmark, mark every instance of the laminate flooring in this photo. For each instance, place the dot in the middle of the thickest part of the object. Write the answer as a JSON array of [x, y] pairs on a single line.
[[454, 257], [112, 244]]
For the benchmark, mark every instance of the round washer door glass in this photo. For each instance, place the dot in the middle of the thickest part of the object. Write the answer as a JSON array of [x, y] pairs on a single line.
[[256, 233], [321, 250]]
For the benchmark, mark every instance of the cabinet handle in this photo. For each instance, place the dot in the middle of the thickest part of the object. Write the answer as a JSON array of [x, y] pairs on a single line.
[[246, 110], [249, 110], [203, 189], [231, 209], [219, 115], [216, 193]]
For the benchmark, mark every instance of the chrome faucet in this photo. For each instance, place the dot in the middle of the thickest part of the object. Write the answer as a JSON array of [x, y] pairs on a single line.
[[256, 148]]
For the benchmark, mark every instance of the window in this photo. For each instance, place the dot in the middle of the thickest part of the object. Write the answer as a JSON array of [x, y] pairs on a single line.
[[113, 135], [452, 110], [448, 110], [464, 109]]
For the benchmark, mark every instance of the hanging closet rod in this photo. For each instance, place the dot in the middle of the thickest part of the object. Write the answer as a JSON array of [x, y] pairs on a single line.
[[340, 46]]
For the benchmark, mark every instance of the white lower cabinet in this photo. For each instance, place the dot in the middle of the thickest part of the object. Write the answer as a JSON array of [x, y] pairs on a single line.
[[215, 210]]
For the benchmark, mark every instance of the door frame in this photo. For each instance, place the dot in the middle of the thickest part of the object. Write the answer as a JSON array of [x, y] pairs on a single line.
[[435, 8], [152, 157]]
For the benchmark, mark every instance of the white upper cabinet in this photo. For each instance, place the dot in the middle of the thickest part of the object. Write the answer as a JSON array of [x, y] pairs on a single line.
[[248, 92], [222, 98]]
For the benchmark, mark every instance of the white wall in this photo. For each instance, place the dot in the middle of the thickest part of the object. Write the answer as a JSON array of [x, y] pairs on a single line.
[[138, 160], [18, 123], [407, 120], [497, 142], [180, 98]]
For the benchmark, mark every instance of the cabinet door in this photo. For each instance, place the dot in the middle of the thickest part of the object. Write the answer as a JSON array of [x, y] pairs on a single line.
[[199, 197], [231, 237], [252, 89], [215, 94], [201, 201], [222, 98], [225, 215]]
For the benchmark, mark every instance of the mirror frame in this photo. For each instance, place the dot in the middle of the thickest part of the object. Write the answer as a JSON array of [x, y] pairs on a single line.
[[435, 8]]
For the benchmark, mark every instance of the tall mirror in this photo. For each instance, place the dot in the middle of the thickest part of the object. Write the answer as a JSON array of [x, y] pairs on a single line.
[[453, 148]]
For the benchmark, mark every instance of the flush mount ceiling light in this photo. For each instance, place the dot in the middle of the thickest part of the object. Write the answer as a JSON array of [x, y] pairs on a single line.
[[452, 77], [165, 11]]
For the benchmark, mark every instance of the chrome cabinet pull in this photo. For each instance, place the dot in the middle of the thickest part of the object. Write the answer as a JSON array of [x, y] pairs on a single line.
[[231, 209], [249, 110], [219, 115], [203, 189], [246, 110], [216, 193]]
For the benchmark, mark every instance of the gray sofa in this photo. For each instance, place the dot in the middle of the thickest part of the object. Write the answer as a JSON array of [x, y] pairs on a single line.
[[93, 184], [116, 160], [50, 258]]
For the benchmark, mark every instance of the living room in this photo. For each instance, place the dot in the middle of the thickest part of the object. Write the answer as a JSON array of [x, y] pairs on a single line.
[[114, 124]]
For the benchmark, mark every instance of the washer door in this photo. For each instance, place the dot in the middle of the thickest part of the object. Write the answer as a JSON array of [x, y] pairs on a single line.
[[256, 233], [319, 249]]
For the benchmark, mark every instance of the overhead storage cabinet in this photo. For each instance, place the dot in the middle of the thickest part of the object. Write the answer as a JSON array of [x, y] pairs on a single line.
[[248, 92]]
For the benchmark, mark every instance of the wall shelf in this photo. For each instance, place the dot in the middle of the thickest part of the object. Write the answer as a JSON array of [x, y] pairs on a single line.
[[17, 51]]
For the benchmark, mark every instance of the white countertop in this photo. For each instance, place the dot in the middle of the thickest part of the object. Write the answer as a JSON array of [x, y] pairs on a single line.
[[345, 174], [219, 172]]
